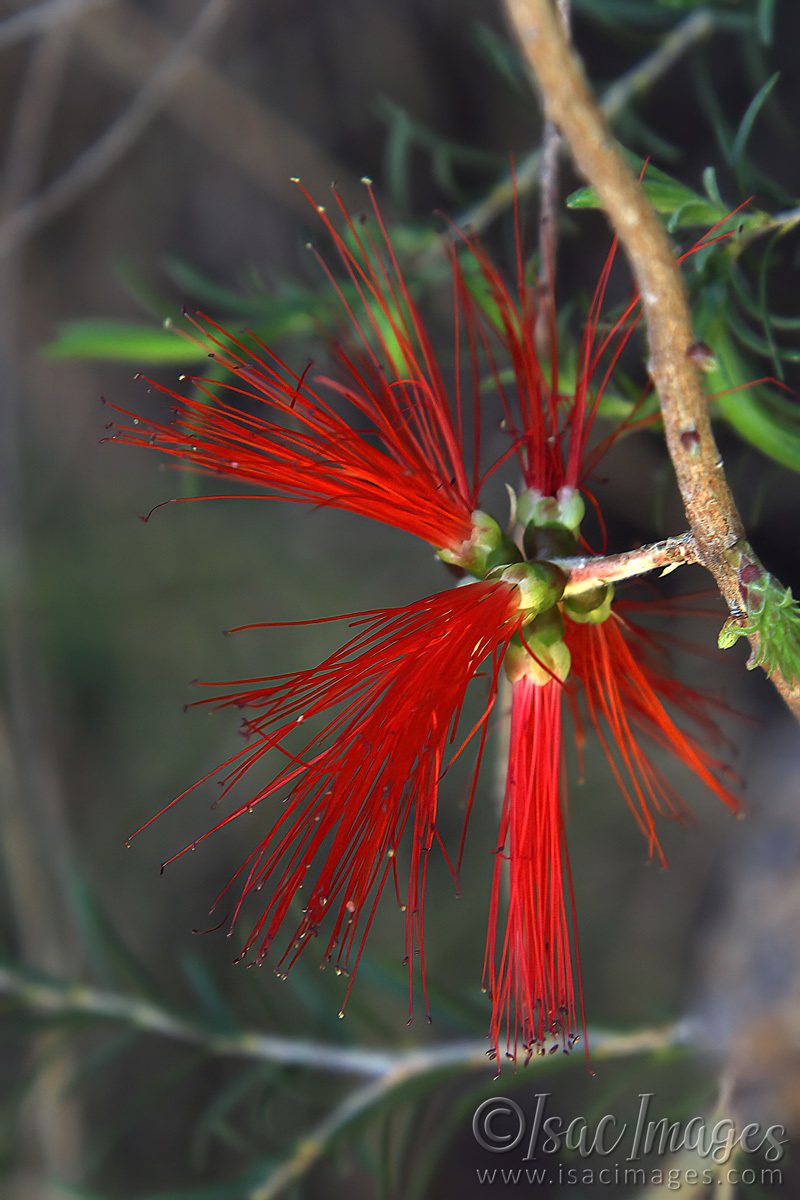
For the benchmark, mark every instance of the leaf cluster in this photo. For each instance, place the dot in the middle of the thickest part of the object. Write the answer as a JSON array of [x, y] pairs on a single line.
[[773, 620]]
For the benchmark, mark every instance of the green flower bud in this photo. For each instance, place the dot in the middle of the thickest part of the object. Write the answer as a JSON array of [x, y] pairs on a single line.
[[487, 547], [533, 508], [547, 629], [541, 584], [590, 607], [565, 508], [544, 655], [548, 541]]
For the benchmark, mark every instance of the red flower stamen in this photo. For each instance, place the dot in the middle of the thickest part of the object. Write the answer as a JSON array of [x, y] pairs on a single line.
[[389, 704], [625, 691], [532, 972], [406, 468]]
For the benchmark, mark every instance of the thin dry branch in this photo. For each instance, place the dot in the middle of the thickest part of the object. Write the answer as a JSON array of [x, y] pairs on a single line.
[[264, 146], [585, 573], [548, 201], [34, 831], [311, 1148], [709, 505], [56, 999], [40, 18], [112, 145], [386, 1071]]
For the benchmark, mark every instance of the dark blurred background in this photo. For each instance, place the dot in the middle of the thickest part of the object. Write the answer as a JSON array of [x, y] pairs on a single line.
[[107, 619]]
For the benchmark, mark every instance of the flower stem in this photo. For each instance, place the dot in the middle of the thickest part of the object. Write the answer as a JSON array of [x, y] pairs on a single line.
[[586, 573]]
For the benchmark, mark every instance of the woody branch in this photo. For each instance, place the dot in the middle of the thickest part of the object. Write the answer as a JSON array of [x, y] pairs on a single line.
[[710, 508]]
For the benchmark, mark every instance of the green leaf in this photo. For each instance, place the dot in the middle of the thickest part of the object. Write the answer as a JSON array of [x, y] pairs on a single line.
[[761, 429], [396, 158], [772, 615], [123, 341], [754, 341], [748, 120], [633, 131], [101, 1059], [405, 134], [667, 196], [505, 58], [214, 1119], [146, 1098], [753, 306], [684, 207], [765, 16], [769, 431], [146, 296], [694, 212], [711, 186]]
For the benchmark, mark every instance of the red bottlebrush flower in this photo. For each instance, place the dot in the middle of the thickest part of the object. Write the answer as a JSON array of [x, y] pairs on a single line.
[[532, 967], [610, 668], [550, 428], [533, 976], [389, 702], [405, 468]]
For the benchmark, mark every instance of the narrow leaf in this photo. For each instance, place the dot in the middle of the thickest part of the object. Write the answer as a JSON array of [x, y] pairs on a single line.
[[122, 341], [748, 120]]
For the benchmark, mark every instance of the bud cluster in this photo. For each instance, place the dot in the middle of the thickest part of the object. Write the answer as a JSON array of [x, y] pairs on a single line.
[[551, 528]]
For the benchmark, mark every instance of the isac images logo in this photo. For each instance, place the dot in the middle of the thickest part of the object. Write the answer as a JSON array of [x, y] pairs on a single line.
[[628, 1148]]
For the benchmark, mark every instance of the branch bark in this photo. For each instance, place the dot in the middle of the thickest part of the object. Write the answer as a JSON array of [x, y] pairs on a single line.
[[568, 101]]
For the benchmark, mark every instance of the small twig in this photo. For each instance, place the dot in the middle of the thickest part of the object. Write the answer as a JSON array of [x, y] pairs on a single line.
[[112, 145], [313, 1146], [386, 1070], [548, 203], [709, 505], [633, 83], [35, 836], [123, 42], [42, 17], [52, 998], [585, 573]]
